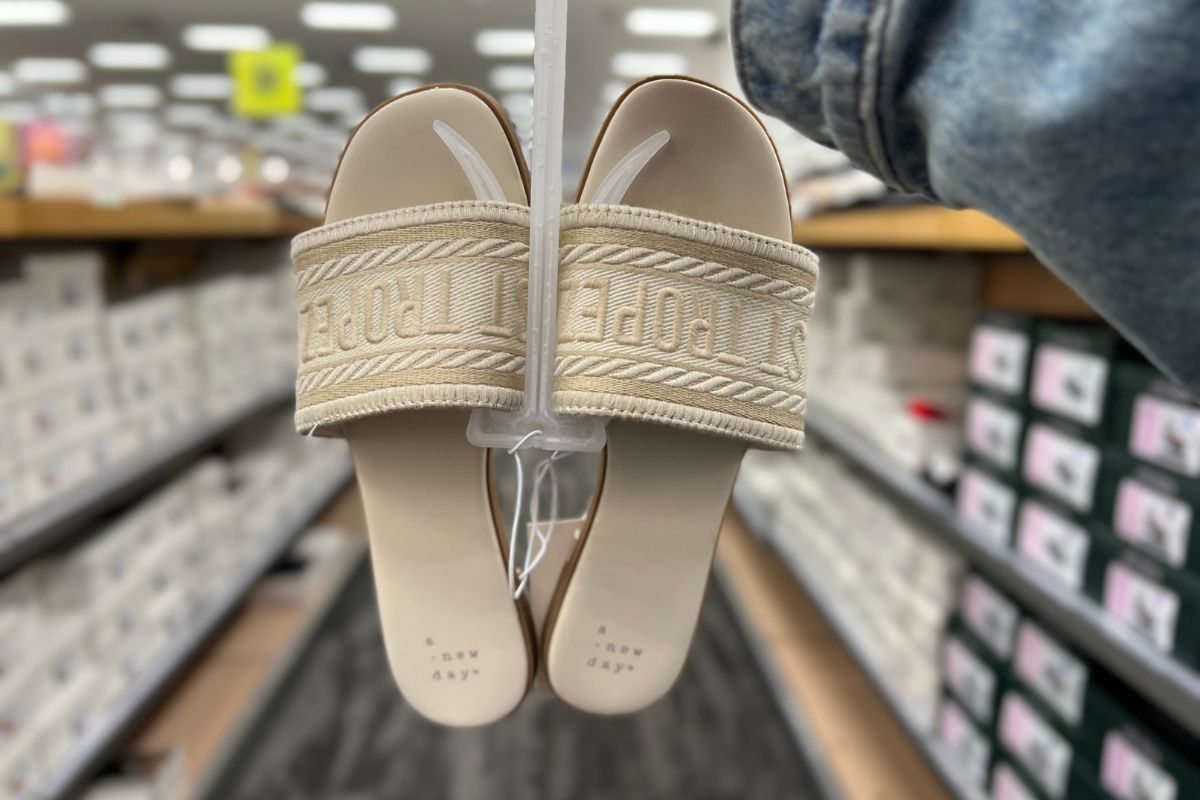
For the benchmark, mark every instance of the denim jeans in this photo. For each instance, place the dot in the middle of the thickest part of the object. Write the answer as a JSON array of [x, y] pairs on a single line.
[[1076, 122]]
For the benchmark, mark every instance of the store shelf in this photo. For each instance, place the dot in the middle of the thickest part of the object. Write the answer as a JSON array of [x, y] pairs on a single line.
[[908, 227], [66, 219], [933, 752], [102, 740], [1170, 685], [806, 740], [45, 527], [239, 744]]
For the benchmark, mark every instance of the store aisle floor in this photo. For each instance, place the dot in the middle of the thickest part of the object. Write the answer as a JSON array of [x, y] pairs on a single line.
[[339, 731]]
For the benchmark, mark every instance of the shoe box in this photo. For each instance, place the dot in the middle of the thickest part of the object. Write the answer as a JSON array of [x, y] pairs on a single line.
[[1159, 603], [1000, 350], [993, 430], [1151, 509], [1027, 714], [1155, 420], [987, 501]]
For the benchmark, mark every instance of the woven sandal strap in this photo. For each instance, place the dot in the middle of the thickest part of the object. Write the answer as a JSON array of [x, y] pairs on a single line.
[[681, 322], [419, 307]]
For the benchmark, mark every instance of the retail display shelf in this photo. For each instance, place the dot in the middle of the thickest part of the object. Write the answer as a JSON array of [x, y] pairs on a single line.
[[41, 529], [1172, 686], [73, 219], [907, 227], [259, 711], [933, 752], [806, 739], [102, 739]]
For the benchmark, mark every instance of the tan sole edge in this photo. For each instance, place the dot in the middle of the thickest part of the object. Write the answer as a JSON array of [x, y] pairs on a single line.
[[462, 651], [626, 606]]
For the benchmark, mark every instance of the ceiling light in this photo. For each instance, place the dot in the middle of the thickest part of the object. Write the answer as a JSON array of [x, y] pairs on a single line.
[[274, 169], [186, 115], [512, 77], [335, 100], [226, 37], [33, 12], [505, 42], [397, 60], [690, 23], [229, 168], [129, 55], [180, 168], [309, 74], [201, 86], [349, 16], [49, 70], [130, 95], [398, 86], [17, 111], [69, 104], [632, 64]]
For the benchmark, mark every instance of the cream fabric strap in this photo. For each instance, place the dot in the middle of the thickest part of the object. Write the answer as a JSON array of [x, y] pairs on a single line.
[[681, 322], [414, 308]]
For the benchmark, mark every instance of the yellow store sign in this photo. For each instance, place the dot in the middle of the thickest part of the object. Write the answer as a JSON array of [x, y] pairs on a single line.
[[264, 84]]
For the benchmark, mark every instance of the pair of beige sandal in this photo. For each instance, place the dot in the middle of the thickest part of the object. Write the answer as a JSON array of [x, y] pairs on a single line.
[[682, 317]]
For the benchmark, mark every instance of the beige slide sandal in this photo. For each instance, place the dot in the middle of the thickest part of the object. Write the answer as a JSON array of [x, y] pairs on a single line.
[[411, 314], [683, 315]]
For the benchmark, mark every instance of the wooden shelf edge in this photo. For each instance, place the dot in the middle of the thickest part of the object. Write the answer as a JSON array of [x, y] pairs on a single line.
[[70, 219], [908, 227]]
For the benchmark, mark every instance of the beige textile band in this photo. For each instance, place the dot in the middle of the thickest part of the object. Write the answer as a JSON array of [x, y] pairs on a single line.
[[681, 322], [414, 308]]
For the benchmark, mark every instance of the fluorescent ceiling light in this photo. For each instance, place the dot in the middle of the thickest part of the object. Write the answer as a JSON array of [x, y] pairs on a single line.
[[309, 74], [226, 37], [69, 104], [348, 16], [49, 70], [396, 60], [688, 23], [229, 168], [201, 86], [187, 115], [33, 12], [398, 86], [130, 95], [129, 55], [17, 111], [512, 77], [335, 100], [505, 42], [7, 84], [274, 169], [640, 64]]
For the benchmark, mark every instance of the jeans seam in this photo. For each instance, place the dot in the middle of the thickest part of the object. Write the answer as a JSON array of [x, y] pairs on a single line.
[[874, 141]]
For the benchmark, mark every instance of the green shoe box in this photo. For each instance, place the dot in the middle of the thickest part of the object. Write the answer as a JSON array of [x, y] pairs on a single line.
[[1063, 461], [1151, 509], [1001, 345], [972, 674], [1056, 541], [968, 746], [990, 615], [1053, 672], [1159, 603], [1155, 420], [1010, 781], [993, 430], [987, 502], [1071, 370], [1026, 731], [1138, 753]]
